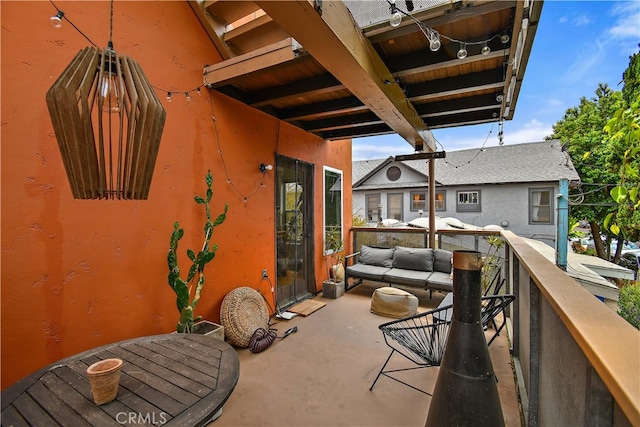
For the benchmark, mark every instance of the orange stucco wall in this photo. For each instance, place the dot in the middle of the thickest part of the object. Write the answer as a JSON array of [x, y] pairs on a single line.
[[81, 273]]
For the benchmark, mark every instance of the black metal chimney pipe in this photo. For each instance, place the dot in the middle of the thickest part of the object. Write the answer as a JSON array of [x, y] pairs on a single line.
[[466, 393]]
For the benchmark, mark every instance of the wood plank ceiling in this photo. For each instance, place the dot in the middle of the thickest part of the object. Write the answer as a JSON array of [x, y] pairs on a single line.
[[340, 70]]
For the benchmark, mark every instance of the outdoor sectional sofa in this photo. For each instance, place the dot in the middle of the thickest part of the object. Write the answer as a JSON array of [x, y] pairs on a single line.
[[425, 268]]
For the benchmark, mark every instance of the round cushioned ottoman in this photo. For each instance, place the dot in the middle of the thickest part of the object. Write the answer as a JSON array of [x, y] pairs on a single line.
[[393, 302]]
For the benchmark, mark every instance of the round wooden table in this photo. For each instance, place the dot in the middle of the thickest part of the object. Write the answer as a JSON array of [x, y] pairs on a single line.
[[170, 380]]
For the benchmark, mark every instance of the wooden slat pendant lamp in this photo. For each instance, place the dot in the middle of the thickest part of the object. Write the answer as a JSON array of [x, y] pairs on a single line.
[[108, 122]]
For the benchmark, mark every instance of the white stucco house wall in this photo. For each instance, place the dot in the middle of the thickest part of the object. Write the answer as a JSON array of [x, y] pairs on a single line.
[[514, 186]]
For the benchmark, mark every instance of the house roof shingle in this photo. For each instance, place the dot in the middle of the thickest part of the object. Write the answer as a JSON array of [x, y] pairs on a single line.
[[529, 162]]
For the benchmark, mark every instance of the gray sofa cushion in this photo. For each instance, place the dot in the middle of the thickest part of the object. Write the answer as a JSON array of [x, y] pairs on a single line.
[[418, 259], [367, 272], [406, 277], [440, 282], [442, 261], [381, 257]]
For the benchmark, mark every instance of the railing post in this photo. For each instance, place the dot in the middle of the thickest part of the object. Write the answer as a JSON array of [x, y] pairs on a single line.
[[534, 356], [562, 234], [599, 406]]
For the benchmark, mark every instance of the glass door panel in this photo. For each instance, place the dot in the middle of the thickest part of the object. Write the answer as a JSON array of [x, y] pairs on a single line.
[[294, 220]]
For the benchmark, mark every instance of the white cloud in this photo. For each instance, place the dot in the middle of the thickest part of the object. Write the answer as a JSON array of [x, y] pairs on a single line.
[[627, 26], [532, 131], [588, 58], [581, 20], [379, 147]]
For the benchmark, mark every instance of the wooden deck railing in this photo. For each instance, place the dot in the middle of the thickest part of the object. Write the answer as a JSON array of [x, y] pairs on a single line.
[[576, 360]]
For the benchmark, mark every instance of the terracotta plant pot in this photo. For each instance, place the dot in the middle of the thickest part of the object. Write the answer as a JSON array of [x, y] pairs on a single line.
[[104, 377]]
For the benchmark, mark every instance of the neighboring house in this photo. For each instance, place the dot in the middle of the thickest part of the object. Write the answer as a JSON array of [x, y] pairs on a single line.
[[513, 186]]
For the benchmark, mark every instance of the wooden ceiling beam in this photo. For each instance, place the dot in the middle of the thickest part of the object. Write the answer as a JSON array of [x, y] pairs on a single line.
[[487, 101], [224, 72], [465, 118], [357, 132], [426, 60], [342, 122], [300, 88], [332, 37], [465, 83], [228, 12], [318, 110], [213, 26]]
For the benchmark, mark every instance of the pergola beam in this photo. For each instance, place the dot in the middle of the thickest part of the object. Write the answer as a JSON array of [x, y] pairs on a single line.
[[332, 37]]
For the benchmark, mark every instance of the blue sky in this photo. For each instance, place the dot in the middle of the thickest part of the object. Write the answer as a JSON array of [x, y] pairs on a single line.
[[578, 44]]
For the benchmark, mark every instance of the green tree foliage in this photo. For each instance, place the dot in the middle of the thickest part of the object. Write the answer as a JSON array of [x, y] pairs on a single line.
[[603, 138], [582, 129], [623, 130], [629, 304]]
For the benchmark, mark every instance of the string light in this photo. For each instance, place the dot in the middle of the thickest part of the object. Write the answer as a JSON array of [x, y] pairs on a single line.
[[485, 49], [434, 40], [396, 17], [480, 150], [434, 37], [245, 198], [261, 184], [462, 52], [56, 20]]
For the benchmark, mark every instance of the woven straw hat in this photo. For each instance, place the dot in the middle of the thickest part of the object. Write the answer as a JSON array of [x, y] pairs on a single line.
[[243, 311]]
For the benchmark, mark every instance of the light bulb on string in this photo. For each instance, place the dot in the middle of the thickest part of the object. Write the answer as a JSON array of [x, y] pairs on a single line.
[[462, 52], [56, 20], [434, 41], [168, 96], [186, 95], [110, 87], [396, 17], [485, 49]]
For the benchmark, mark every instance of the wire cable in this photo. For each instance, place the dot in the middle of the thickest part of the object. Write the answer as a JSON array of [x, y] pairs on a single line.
[[64, 16], [245, 198]]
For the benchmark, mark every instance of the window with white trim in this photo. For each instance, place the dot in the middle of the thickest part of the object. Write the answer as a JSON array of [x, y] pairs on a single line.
[[468, 201], [418, 200], [540, 205], [440, 201], [371, 205], [394, 206], [332, 204]]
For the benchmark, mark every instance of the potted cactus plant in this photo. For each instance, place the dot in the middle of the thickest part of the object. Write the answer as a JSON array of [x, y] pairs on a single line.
[[188, 290]]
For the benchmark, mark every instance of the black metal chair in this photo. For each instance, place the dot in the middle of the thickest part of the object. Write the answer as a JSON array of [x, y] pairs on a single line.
[[421, 338], [492, 306]]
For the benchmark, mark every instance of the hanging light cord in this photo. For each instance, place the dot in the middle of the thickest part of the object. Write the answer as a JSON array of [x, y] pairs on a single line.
[[245, 198], [111, 23], [481, 149], [66, 18], [424, 27], [72, 24]]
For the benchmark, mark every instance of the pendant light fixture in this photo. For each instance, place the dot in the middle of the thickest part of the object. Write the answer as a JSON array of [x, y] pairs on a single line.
[[108, 122]]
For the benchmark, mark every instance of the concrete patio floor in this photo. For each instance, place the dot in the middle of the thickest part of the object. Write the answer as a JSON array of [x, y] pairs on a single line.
[[320, 375]]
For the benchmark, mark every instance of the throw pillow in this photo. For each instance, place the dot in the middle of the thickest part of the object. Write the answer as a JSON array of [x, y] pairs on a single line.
[[417, 259], [382, 257]]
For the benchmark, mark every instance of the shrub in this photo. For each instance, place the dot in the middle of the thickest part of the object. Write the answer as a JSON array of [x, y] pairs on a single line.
[[629, 304]]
